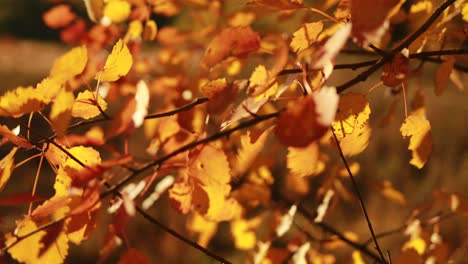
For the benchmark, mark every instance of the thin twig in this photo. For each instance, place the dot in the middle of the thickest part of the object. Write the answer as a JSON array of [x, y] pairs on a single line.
[[359, 196], [179, 236]]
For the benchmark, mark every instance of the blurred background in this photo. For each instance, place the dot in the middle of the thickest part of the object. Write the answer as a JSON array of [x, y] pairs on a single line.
[[28, 49]]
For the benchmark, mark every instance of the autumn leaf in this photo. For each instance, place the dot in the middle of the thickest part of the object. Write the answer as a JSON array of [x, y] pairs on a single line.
[[243, 232], [307, 119], [370, 19], [305, 36], [72, 63], [117, 11], [94, 9], [306, 161], [220, 93], [204, 228], [86, 105], [237, 41], [133, 256], [28, 249], [60, 114], [417, 127], [118, 63], [206, 186], [395, 72], [6, 167], [14, 138], [351, 125], [150, 31], [20, 101], [59, 16], [442, 76]]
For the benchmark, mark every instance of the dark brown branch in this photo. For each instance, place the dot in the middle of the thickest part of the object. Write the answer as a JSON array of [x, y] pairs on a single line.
[[179, 236], [178, 110], [365, 74], [329, 229], [359, 196]]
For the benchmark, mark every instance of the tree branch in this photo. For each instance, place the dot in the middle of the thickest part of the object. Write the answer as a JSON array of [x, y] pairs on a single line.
[[359, 196]]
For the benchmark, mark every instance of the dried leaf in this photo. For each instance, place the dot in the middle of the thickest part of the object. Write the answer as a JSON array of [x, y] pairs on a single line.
[[308, 119], [118, 63], [442, 76], [418, 128]]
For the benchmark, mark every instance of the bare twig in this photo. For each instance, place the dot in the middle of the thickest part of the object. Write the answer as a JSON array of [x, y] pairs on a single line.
[[179, 236], [359, 196]]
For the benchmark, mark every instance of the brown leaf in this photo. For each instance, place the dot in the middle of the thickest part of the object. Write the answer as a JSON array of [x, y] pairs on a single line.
[[442, 76]]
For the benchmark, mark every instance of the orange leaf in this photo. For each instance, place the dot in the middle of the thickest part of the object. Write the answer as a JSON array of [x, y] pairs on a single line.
[[237, 41], [206, 229], [443, 75], [13, 138], [220, 93], [370, 19], [59, 16], [308, 118], [6, 167], [418, 128], [133, 256]]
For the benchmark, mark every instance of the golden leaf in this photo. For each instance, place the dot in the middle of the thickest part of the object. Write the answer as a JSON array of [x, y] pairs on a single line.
[[70, 64], [21, 100], [60, 114], [350, 126], [85, 105], [28, 249], [418, 128], [118, 63], [305, 36], [306, 161], [117, 11]]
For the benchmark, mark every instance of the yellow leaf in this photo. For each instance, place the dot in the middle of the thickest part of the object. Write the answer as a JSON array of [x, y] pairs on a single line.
[[70, 64], [465, 12], [417, 244], [206, 229], [357, 257], [135, 28], [150, 31], [305, 36], [49, 88], [118, 63], [247, 152], [350, 126], [20, 101], [418, 128], [6, 167], [117, 11], [28, 249], [60, 114], [306, 161], [85, 105], [243, 232], [259, 76], [206, 187], [242, 19]]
